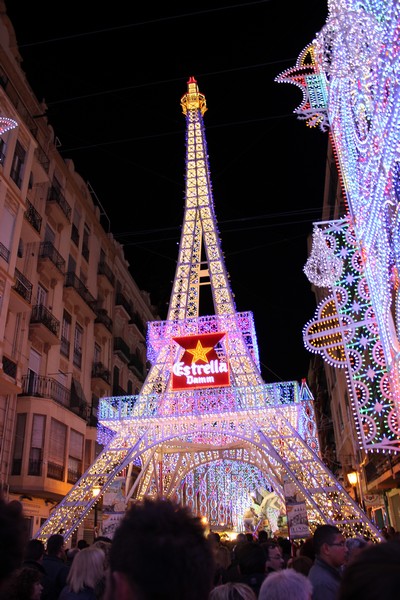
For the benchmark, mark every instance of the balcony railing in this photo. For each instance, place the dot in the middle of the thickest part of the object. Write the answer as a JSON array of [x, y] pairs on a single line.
[[77, 358], [136, 365], [122, 348], [104, 269], [45, 387], [103, 318], [100, 371], [120, 300], [22, 285], [47, 250], [41, 314], [71, 280], [55, 471], [4, 252], [33, 217], [136, 320], [55, 195]]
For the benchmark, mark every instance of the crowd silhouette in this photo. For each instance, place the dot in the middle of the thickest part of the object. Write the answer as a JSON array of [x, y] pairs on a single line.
[[160, 551]]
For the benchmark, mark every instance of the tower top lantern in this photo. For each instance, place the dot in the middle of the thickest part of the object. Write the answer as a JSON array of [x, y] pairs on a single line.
[[193, 100]]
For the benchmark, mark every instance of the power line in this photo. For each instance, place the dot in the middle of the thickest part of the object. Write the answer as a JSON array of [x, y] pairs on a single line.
[[139, 24]]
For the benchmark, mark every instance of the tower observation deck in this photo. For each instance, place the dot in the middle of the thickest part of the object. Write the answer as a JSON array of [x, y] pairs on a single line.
[[205, 427]]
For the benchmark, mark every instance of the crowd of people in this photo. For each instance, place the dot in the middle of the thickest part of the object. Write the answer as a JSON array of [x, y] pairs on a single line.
[[160, 552]]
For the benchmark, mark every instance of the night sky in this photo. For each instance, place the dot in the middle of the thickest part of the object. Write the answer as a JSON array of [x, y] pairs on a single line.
[[112, 79]]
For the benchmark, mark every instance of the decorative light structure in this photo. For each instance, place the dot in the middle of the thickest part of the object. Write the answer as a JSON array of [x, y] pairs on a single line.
[[357, 62], [194, 440]]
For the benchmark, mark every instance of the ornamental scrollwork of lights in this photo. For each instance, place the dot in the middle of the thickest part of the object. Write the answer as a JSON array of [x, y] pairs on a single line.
[[206, 430], [6, 124], [323, 267], [357, 60]]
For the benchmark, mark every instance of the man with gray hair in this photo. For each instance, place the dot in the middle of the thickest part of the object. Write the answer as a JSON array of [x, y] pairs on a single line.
[[286, 584]]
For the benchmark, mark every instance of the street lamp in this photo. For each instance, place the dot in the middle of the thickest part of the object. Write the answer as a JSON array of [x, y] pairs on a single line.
[[353, 480]]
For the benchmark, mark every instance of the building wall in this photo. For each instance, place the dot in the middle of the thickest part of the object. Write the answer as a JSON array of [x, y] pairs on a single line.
[[72, 319]]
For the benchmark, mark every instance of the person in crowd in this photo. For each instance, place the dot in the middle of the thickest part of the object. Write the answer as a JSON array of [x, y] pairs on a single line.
[[374, 574], [13, 538], [307, 549], [24, 584], [160, 551], [262, 537], [301, 564], [56, 567], [354, 546], [232, 591], [274, 559], [222, 560], [330, 556], [82, 544], [85, 574], [286, 584], [33, 556], [251, 564]]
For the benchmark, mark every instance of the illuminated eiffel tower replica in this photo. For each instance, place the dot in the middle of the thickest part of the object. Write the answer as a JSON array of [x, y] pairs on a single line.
[[204, 400]]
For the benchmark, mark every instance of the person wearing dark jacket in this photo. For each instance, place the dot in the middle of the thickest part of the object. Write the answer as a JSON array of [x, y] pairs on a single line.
[[55, 566], [330, 555], [33, 556]]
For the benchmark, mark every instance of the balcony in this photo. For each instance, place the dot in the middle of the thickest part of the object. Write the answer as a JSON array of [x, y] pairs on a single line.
[[33, 217], [99, 371], [50, 261], [21, 293], [57, 207], [121, 301], [44, 325], [136, 366], [45, 387], [103, 270], [138, 323], [102, 319], [4, 253], [75, 287], [122, 349]]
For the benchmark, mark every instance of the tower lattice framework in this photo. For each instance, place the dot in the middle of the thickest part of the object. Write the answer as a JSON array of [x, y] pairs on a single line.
[[170, 431]]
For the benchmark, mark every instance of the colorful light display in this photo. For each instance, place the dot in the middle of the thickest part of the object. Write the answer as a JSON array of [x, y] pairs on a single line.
[[197, 443], [356, 63]]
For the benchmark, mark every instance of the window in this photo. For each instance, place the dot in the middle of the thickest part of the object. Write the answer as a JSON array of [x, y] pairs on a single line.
[[36, 449], [75, 227], [65, 334], [19, 444], [49, 235], [85, 242], [97, 354], [78, 338], [55, 465], [41, 297], [75, 456], [7, 224], [17, 166]]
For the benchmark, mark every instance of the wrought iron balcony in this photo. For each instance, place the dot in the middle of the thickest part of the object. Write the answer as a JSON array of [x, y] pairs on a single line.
[[104, 269], [23, 286], [122, 349], [136, 320], [55, 195], [9, 367], [101, 372], [136, 366], [45, 387], [103, 318], [4, 252], [120, 300], [41, 314], [72, 281], [33, 217], [47, 250]]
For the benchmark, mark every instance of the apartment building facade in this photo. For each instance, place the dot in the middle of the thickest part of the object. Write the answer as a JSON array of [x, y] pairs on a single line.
[[72, 319]]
